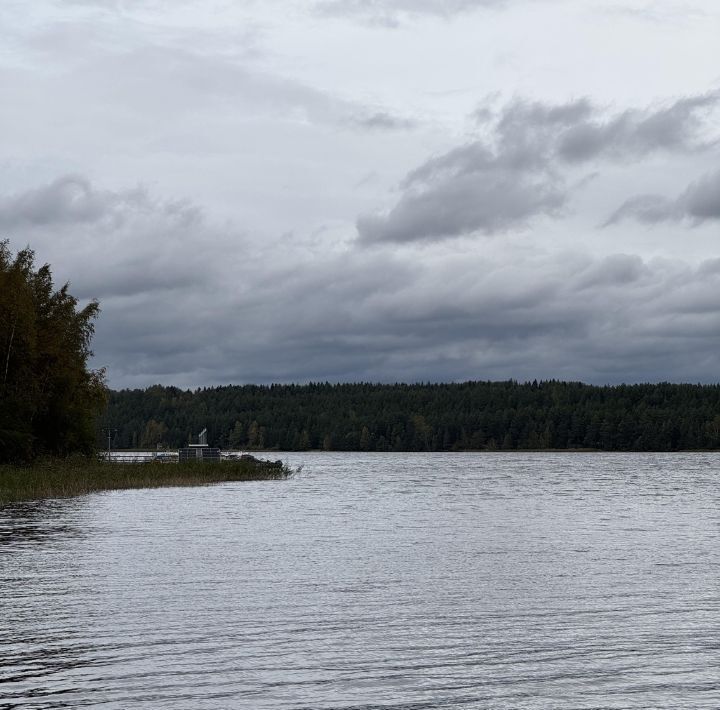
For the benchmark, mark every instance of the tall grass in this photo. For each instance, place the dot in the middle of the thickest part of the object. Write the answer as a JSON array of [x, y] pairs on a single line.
[[60, 478]]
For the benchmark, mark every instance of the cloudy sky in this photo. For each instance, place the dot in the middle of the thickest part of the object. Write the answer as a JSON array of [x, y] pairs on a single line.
[[378, 190]]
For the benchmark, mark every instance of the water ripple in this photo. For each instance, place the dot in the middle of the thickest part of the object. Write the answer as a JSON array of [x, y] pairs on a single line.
[[374, 581]]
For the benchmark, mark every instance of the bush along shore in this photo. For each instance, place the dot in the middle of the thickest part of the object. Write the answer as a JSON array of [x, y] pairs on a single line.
[[61, 478]]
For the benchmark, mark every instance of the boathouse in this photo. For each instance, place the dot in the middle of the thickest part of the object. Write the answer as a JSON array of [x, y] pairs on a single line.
[[199, 451]]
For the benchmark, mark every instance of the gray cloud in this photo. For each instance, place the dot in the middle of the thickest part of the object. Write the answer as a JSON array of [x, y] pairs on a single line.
[[634, 133], [520, 169], [615, 270], [485, 201], [72, 200], [601, 320], [167, 80], [110, 243], [283, 128], [67, 200], [649, 209], [382, 121], [195, 81], [699, 203], [390, 12], [533, 133], [188, 302], [660, 11]]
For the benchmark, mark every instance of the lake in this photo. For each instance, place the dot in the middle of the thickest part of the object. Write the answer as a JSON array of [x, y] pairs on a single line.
[[403, 581]]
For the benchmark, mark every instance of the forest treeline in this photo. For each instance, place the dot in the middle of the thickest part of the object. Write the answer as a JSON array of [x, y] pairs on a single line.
[[422, 417]]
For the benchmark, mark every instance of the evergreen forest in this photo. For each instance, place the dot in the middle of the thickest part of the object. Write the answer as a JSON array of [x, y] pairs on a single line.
[[422, 417]]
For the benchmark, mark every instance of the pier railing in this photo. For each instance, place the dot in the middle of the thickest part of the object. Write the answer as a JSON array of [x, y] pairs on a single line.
[[160, 456]]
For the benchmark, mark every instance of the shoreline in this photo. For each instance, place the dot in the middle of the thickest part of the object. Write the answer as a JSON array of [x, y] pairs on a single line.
[[477, 451], [66, 478]]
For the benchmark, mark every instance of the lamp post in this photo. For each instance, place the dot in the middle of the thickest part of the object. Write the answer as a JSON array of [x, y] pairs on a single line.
[[109, 433]]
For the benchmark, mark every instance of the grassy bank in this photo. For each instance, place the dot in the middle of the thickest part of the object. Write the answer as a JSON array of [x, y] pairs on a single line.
[[77, 476]]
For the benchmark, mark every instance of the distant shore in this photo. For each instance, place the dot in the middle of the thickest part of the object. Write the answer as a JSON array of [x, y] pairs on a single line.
[[62, 478]]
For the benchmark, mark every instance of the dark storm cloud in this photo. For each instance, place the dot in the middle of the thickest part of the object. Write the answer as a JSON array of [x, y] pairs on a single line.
[[189, 303], [519, 169], [342, 319], [699, 203], [377, 315]]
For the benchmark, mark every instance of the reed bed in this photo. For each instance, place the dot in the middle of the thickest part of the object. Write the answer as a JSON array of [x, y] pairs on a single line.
[[78, 476]]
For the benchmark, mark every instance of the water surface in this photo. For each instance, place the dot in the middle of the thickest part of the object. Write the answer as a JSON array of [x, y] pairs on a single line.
[[404, 581]]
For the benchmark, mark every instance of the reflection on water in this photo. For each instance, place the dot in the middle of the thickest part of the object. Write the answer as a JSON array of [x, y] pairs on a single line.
[[374, 581], [31, 523]]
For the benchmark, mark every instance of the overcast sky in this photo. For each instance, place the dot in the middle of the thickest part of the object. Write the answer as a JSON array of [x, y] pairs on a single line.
[[375, 190]]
